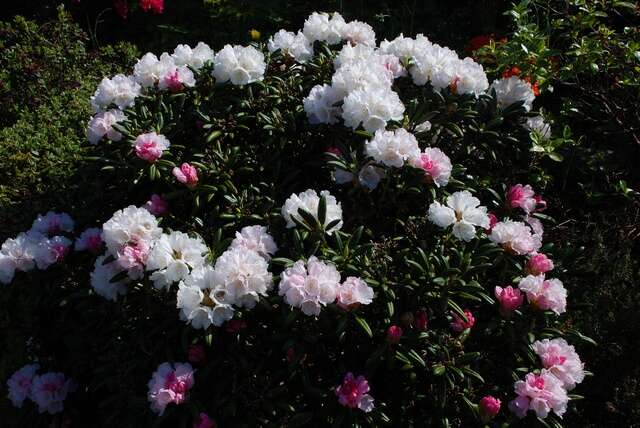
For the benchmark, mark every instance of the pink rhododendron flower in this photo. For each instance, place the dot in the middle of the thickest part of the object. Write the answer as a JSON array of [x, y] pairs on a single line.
[[538, 264], [49, 392], [436, 165], [309, 286], [20, 383], [186, 174], [535, 225], [155, 6], [353, 292], [157, 205], [204, 422], [53, 223], [541, 393], [545, 294], [90, 240], [510, 299], [458, 324], [489, 407], [149, 147], [196, 353], [522, 197], [353, 393], [133, 258], [562, 360], [394, 333], [170, 384]]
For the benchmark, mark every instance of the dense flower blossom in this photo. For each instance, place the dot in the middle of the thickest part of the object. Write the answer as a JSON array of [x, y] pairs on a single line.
[[155, 6], [353, 391], [393, 148], [365, 74], [463, 211], [515, 237], [53, 223], [538, 125], [157, 205], [394, 333], [322, 27], [459, 324], [405, 48], [19, 253], [49, 391], [257, 239], [309, 286], [489, 407], [545, 294], [295, 45], [149, 147], [238, 64], [102, 279], [196, 58], [320, 104], [512, 90], [173, 256], [50, 250], [101, 125], [20, 384], [170, 383], [371, 108], [436, 165], [541, 393], [203, 299], [358, 33], [186, 174], [148, 71], [538, 264], [509, 298], [120, 90], [177, 79], [561, 359], [203, 421], [309, 201], [354, 292], [521, 196]]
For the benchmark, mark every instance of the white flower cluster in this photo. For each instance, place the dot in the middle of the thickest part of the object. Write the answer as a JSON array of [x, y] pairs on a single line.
[[309, 201], [314, 284], [41, 246], [510, 90], [393, 148], [240, 65], [463, 211], [239, 277], [297, 46]]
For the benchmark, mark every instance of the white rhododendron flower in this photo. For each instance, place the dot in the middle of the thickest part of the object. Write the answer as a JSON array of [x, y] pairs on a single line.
[[358, 33], [120, 90], [354, 292], [101, 279], [364, 75], [352, 54], [435, 164], [295, 45], [321, 27], [21, 250], [515, 237], [53, 223], [89, 240], [310, 286], [244, 273], [540, 393], [149, 69], [49, 391], [257, 239], [371, 108], [51, 250], [511, 90], [309, 201], [434, 64], [469, 78], [173, 256], [101, 125], [463, 211], [204, 300], [561, 359], [176, 79], [538, 125], [20, 384], [239, 64], [320, 104], [545, 294], [393, 148], [195, 58]]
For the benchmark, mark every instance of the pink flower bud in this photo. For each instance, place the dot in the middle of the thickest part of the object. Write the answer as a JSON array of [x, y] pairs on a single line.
[[510, 299], [489, 408], [458, 324], [186, 174], [353, 393], [394, 333], [539, 264], [196, 353], [157, 205], [204, 421]]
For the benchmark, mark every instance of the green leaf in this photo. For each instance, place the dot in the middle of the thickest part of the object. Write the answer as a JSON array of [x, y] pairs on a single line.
[[364, 326]]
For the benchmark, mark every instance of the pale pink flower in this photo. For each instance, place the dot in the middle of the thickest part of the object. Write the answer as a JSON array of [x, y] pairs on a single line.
[[545, 294], [522, 197], [170, 384], [562, 360], [535, 225], [353, 393], [394, 333], [515, 237], [149, 147], [459, 324], [177, 79], [49, 392], [541, 393], [353, 292], [20, 383], [133, 257], [53, 223], [309, 286], [255, 238], [90, 240], [510, 299], [157, 205], [204, 421], [489, 407], [186, 174], [538, 264], [436, 165]]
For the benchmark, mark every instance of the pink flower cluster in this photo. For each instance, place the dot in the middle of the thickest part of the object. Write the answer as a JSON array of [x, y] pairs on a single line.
[[540, 393], [489, 408], [170, 384], [353, 393], [459, 324], [48, 390], [186, 174], [149, 147], [524, 197]]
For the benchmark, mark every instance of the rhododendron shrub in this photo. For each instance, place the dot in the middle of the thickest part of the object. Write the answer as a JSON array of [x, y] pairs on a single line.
[[323, 205]]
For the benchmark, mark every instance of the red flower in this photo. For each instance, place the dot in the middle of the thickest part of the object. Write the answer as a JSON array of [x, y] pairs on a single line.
[[513, 71], [479, 41], [155, 6]]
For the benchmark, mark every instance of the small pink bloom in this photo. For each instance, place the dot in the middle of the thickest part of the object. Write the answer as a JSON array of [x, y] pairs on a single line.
[[90, 240], [521, 196], [458, 324], [489, 408], [353, 393], [186, 174], [133, 258], [204, 422], [394, 333], [510, 299], [170, 384], [538, 264], [157, 205], [196, 353], [49, 392], [19, 384], [420, 320], [149, 147], [436, 165], [60, 250], [353, 292], [155, 6], [545, 294], [540, 393], [493, 220], [172, 81]]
